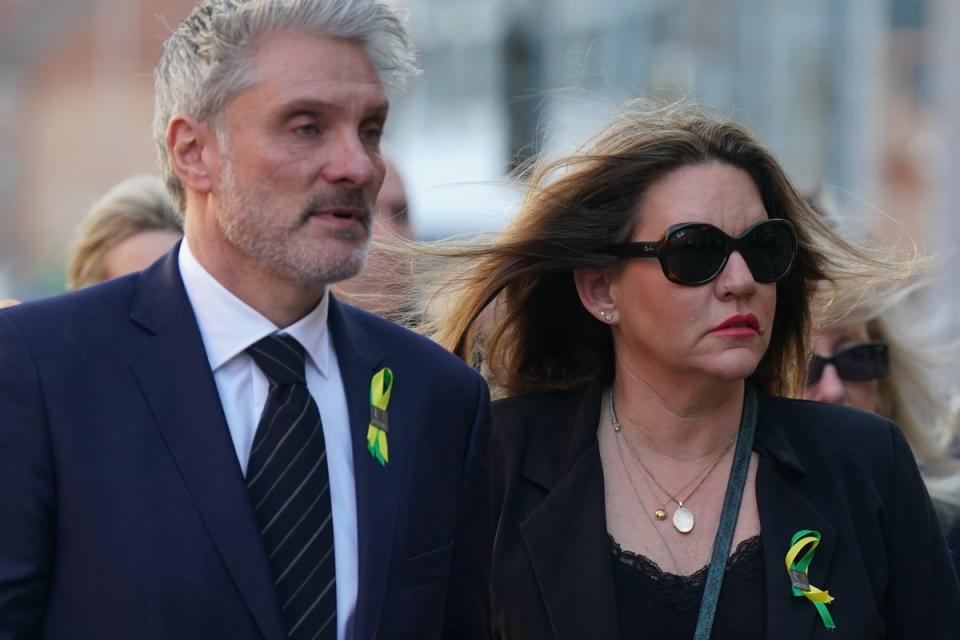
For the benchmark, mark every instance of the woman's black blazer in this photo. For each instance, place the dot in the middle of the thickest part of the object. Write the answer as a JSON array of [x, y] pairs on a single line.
[[845, 473]]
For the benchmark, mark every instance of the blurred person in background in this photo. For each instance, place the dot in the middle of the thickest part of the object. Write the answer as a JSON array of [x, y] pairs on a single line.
[[131, 226], [872, 358], [653, 302], [375, 288], [215, 447], [393, 208]]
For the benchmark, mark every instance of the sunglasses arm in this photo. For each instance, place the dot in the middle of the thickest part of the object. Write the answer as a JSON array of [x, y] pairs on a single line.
[[634, 250]]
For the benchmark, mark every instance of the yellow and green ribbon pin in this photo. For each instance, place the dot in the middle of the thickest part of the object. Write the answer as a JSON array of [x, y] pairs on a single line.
[[802, 547], [380, 387]]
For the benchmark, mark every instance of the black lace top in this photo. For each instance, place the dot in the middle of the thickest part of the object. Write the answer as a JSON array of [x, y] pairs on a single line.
[[656, 604]]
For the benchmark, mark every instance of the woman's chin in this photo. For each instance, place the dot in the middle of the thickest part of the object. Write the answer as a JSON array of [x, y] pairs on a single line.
[[734, 369]]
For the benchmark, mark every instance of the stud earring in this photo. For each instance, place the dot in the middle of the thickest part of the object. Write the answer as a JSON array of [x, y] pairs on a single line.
[[607, 315]]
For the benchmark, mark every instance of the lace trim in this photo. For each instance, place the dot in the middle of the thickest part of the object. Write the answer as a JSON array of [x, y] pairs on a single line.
[[746, 561]]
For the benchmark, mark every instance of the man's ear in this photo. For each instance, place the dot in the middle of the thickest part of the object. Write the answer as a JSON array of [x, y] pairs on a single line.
[[594, 288], [195, 153]]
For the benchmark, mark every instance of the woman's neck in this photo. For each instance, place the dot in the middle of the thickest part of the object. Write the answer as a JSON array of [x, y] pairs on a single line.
[[684, 422]]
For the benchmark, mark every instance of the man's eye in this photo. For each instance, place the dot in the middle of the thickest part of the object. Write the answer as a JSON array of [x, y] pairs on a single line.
[[372, 134], [307, 130]]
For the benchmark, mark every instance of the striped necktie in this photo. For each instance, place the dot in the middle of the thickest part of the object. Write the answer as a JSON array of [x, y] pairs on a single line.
[[289, 488]]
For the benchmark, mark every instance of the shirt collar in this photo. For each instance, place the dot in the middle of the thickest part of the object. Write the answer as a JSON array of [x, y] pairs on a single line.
[[228, 325]]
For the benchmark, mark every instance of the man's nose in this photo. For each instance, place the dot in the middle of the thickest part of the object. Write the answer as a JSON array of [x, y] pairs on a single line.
[[351, 162]]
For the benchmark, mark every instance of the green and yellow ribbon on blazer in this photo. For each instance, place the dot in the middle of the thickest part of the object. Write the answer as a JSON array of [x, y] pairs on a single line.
[[803, 545], [381, 386]]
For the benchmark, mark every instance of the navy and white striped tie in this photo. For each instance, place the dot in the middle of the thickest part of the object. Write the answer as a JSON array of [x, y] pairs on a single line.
[[289, 487]]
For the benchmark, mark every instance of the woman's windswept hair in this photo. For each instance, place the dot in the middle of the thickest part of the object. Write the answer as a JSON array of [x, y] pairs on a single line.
[[511, 302]]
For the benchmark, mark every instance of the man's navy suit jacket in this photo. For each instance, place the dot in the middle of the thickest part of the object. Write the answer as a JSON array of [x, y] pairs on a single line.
[[123, 511]]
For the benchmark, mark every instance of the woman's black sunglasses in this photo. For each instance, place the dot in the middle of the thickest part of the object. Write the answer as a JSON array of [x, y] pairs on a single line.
[[864, 361], [694, 253]]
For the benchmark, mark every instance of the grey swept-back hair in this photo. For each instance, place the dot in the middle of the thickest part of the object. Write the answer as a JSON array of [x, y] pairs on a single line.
[[206, 61]]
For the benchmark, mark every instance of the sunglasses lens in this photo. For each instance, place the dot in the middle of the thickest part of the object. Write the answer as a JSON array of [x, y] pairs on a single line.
[[816, 370], [868, 361], [694, 254], [863, 362], [769, 249]]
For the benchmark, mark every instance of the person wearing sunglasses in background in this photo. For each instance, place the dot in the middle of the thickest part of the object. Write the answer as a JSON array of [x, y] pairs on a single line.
[[847, 367], [869, 359], [651, 304]]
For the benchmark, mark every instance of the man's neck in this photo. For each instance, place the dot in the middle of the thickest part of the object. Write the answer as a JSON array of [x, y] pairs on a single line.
[[277, 299]]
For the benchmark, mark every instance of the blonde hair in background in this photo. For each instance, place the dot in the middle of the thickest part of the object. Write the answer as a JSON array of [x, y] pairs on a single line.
[[510, 301], [912, 394], [137, 204]]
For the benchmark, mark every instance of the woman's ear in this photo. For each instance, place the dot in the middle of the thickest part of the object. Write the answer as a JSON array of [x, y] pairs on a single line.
[[593, 287]]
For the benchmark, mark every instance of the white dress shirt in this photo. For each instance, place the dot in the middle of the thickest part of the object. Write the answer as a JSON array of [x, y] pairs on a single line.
[[228, 326]]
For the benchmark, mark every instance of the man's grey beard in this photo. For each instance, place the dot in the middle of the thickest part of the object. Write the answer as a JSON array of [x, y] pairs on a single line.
[[277, 250]]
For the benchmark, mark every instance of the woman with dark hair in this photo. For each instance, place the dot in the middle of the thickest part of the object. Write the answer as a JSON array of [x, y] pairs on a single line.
[[649, 307]]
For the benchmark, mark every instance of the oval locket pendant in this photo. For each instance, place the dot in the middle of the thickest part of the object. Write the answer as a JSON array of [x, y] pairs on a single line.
[[683, 520]]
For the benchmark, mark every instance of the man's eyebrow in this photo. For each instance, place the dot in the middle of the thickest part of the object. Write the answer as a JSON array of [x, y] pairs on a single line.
[[379, 111], [312, 105]]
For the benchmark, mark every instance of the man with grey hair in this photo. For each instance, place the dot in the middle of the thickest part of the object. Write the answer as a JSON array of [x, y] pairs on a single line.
[[216, 447]]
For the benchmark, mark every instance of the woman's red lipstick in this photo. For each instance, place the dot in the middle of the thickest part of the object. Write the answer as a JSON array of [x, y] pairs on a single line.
[[742, 324]]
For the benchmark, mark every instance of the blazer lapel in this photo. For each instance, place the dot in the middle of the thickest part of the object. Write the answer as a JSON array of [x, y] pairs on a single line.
[[379, 487], [175, 377], [784, 510], [566, 536]]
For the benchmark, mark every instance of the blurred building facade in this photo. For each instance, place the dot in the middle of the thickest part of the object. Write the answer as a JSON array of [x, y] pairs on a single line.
[[76, 96], [857, 97]]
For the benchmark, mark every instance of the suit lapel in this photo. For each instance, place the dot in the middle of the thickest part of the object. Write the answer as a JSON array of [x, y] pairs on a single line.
[[784, 510], [566, 535], [175, 377], [379, 487]]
